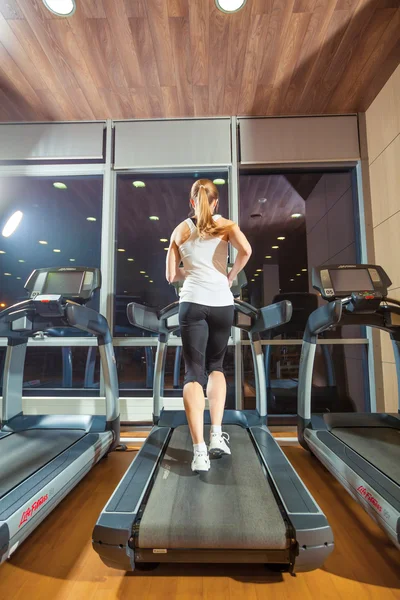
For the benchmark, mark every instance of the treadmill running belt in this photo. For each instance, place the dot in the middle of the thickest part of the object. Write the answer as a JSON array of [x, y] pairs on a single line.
[[378, 445], [232, 506], [22, 454]]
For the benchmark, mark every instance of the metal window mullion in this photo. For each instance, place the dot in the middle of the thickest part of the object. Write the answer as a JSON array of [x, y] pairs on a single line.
[[320, 342], [51, 170], [57, 342], [108, 239], [234, 216]]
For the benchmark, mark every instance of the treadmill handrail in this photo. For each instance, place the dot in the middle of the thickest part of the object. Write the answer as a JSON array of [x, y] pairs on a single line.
[[40, 315], [321, 319]]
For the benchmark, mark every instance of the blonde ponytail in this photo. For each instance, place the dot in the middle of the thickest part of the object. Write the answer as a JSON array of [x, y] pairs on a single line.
[[204, 192], [205, 221]]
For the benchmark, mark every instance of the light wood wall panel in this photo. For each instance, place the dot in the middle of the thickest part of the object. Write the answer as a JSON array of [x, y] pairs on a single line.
[[383, 138], [385, 182], [383, 117]]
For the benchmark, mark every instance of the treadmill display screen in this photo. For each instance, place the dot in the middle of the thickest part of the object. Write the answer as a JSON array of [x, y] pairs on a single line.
[[65, 282], [354, 280]]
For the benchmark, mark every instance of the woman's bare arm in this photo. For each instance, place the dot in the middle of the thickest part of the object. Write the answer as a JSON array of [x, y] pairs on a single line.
[[241, 244], [173, 272]]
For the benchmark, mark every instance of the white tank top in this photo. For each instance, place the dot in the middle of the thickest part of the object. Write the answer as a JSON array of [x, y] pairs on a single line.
[[205, 262]]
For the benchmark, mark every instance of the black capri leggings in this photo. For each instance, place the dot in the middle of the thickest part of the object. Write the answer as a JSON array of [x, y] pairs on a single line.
[[205, 332]]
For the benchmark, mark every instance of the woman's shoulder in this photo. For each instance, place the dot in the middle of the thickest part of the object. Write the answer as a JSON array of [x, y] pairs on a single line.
[[226, 223], [181, 232]]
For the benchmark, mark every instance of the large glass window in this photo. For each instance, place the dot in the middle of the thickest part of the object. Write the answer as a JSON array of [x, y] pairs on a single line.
[[295, 221], [136, 371], [149, 207], [47, 222]]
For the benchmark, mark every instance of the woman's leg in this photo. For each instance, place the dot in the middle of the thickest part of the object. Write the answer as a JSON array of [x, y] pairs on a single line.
[[216, 395], [220, 322], [193, 400], [194, 333]]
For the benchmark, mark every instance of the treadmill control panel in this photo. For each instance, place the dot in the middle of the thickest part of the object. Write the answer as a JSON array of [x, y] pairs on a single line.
[[72, 283], [364, 282]]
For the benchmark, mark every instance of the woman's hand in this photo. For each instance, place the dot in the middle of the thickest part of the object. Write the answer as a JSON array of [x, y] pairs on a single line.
[[230, 281]]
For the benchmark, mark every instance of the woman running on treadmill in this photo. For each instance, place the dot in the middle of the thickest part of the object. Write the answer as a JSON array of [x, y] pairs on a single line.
[[205, 312]]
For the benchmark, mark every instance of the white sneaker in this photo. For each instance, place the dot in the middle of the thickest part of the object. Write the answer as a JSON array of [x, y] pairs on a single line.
[[219, 444], [200, 462]]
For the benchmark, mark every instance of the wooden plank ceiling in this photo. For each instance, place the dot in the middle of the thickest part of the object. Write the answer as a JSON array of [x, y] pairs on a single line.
[[184, 58]]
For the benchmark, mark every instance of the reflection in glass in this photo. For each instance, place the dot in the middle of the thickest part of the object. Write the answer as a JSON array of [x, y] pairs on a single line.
[[295, 221], [59, 371], [136, 371], [147, 214], [339, 378], [54, 230]]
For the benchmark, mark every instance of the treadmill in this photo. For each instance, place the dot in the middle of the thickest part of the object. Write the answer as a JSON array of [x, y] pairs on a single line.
[[362, 450], [252, 508], [282, 393], [42, 457]]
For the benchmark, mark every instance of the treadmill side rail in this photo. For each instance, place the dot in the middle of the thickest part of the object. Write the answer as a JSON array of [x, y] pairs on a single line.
[[21, 512], [379, 498], [113, 531], [310, 526]]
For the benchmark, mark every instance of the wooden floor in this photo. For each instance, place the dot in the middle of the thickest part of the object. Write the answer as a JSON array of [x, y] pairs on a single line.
[[57, 561]]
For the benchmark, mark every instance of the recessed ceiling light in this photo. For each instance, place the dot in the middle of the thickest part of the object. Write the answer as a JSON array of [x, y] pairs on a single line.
[[219, 181], [43, 242], [296, 215], [2, 305], [268, 256], [72, 260], [256, 274], [138, 184], [142, 272], [131, 259], [56, 250], [166, 249], [298, 274], [252, 279], [62, 8], [21, 260], [146, 276], [154, 218], [151, 281], [90, 218], [121, 249], [304, 270], [12, 223], [2, 252], [274, 247], [8, 274], [18, 277], [259, 270], [281, 237], [292, 280], [125, 291], [59, 185], [262, 200], [163, 240], [229, 6]]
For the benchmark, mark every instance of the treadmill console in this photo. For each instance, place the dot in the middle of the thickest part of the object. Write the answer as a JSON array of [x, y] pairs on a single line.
[[365, 284], [72, 283]]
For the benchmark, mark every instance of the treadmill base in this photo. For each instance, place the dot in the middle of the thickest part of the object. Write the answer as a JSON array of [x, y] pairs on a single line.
[[281, 557]]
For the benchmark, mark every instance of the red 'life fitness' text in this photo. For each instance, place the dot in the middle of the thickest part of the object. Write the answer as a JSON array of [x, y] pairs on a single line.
[[29, 512], [369, 497]]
